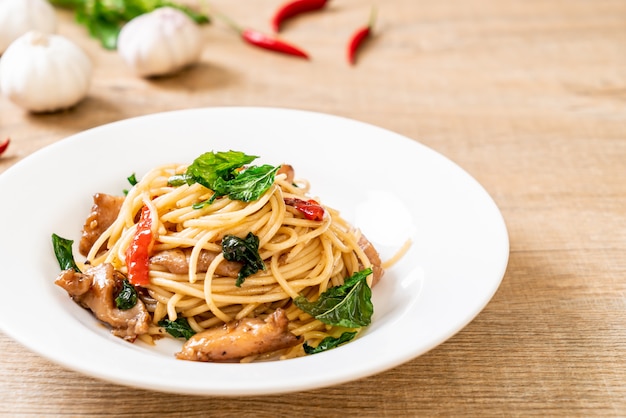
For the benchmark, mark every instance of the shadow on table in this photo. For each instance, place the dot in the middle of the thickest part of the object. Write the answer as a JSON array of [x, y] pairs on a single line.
[[202, 76], [129, 97]]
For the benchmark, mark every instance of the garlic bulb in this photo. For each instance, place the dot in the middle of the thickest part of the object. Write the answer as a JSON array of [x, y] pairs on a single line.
[[44, 73], [20, 16], [160, 42]]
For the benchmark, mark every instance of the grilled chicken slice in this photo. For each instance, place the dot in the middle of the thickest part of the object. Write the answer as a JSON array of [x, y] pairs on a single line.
[[374, 257], [241, 338], [287, 170], [103, 213], [177, 261], [96, 289]]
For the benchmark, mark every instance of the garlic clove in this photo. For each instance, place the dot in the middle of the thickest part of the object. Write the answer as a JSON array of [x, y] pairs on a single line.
[[20, 16], [160, 42], [44, 73]]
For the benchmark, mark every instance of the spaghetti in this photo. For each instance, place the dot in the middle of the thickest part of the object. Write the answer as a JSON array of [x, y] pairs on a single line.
[[302, 257]]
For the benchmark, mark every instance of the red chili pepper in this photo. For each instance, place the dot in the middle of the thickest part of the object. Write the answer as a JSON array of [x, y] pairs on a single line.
[[261, 40], [310, 209], [138, 252], [4, 145], [294, 8], [359, 36]]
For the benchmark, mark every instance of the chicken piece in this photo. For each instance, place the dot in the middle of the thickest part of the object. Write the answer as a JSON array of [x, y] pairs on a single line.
[[103, 213], [96, 289], [374, 257], [177, 261], [241, 338]]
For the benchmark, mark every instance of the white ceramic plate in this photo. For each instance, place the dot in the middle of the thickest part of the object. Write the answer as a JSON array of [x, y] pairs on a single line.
[[390, 186]]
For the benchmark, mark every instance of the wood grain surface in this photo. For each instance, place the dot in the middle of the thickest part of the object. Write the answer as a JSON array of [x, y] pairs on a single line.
[[528, 96]]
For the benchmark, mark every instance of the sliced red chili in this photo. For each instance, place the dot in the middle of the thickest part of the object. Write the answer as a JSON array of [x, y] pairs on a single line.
[[138, 252], [4, 145], [309, 208], [294, 8], [359, 36]]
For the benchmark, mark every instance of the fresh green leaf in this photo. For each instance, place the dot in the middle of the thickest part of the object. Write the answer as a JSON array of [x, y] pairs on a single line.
[[348, 305], [67, 3], [329, 342], [250, 184], [223, 173], [178, 180], [179, 328], [245, 251], [132, 179], [127, 298], [102, 29], [63, 252], [211, 167]]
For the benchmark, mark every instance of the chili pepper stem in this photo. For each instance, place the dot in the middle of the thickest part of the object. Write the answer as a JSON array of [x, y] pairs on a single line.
[[228, 21], [360, 35], [372, 19]]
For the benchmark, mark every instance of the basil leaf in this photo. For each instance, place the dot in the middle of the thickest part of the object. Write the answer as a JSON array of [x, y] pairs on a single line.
[[132, 179], [63, 252], [329, 342], [179, 328], [177, 180], [222, 172], [348, 305], [102, 29], [243, 250], [249, 185], [127, 298], [211, 167]]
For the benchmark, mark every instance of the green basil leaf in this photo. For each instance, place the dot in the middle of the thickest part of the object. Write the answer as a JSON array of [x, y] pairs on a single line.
[[179, 328], [67, 3], [213, 167], [132, 179], [329, 342], [63, 252], [245, 251], [106, 32], [177, 180], [127, 298], [348, 305], [250, 184], [222, 173]]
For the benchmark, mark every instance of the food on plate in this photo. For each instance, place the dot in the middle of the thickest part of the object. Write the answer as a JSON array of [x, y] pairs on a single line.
[[236, 260]]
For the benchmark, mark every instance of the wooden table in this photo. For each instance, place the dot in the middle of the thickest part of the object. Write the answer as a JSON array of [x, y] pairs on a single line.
[[528, 96]]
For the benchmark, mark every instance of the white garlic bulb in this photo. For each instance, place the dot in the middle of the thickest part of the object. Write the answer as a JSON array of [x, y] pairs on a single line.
[[43, 73], [20, 16], [160, 42]]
